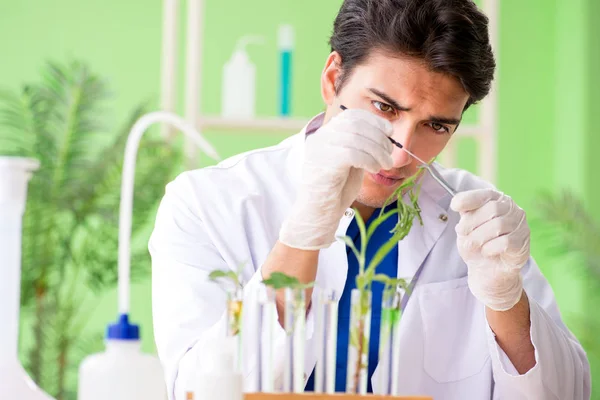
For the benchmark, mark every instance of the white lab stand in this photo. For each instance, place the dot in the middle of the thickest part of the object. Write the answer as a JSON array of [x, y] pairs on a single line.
[[15, 173]]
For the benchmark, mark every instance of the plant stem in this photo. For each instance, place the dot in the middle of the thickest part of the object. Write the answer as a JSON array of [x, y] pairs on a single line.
[[359, 361], [37, 349], [63, 348]]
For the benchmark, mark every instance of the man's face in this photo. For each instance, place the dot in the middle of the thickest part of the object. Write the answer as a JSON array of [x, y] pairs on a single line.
[[424, 108]]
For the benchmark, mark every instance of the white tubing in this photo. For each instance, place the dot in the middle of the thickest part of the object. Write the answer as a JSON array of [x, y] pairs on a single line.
[[127, 186]]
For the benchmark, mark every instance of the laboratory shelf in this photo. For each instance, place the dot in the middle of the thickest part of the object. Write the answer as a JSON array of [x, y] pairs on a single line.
[[262, 124], [275, 124]]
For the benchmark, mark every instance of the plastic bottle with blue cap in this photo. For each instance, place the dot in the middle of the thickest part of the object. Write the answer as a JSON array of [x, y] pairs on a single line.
[[122, 371]]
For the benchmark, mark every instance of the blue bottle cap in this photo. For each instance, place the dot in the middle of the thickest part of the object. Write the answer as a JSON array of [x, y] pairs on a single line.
[[123, 330]]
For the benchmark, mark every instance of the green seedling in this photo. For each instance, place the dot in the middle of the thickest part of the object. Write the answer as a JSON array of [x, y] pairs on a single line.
[[407, 212]]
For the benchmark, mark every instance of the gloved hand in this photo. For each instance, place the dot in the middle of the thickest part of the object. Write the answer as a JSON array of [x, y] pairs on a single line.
[[493, 240], [335, 158]]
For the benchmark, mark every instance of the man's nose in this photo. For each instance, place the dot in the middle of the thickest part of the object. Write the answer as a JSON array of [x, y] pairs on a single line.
[[403, 134]]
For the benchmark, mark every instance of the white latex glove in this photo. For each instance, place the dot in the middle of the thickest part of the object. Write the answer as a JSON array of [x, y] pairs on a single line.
[[493, 240], [335, 158]]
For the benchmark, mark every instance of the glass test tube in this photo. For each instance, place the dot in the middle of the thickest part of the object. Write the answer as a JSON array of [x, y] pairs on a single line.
[[267, 318], [326, 315], [235, 299], [389, 340], [358, 351], [295, 321]]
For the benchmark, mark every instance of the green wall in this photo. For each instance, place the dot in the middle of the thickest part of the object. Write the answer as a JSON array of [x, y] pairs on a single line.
[[545, 117], [593, 143]]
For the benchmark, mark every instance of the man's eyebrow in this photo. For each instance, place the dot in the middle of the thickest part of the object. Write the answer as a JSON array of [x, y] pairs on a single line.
[[388, 99], [444, 120], [434, 118]]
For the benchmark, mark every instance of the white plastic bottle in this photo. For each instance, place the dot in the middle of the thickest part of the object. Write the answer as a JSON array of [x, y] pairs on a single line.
[[122, 372], [239, 82], [217, 377]]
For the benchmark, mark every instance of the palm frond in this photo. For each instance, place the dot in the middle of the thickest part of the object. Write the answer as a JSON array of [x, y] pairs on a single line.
[[105, 174], [15, 138], [567, 224], [572, 233], [23, 122], [76, 122]]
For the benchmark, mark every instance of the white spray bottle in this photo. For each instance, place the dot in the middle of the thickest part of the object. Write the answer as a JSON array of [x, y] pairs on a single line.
[[239, 82]]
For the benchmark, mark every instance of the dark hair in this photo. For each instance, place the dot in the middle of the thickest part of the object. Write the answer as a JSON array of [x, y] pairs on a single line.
[[450, 36]]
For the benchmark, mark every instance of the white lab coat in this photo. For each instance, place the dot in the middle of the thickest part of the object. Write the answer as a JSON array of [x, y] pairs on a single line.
[[221, 216]]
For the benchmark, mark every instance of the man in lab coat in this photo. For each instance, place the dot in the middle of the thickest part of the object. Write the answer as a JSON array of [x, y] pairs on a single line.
[[481, 323]]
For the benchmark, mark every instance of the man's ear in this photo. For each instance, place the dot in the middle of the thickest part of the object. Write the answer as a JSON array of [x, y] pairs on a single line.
[[330, 76]]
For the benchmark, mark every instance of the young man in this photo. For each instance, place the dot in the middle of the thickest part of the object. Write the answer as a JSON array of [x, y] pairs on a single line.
[[481, 322]]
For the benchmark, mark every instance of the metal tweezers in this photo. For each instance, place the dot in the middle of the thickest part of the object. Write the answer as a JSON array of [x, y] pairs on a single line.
[[435, 174]]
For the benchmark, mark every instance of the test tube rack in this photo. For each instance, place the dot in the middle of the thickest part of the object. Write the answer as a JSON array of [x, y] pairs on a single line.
[[323, 396]]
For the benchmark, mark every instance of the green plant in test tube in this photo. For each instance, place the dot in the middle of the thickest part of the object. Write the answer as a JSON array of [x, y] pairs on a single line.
[[360, 319], [294, 325], [234, 290]]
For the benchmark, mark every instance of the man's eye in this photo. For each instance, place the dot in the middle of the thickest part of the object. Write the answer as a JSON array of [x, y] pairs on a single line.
[[439, 128], [384, 108]]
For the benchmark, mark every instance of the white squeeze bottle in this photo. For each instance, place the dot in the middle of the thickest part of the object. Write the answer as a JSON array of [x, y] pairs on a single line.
[[122, 372], [217, 378], [239, 82]]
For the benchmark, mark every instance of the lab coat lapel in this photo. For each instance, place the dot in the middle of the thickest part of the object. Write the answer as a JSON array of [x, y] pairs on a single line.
[[333, 261], [413, 250]]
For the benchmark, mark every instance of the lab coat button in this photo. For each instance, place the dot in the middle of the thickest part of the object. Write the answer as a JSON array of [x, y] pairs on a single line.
[[349, 213], [443, 218]]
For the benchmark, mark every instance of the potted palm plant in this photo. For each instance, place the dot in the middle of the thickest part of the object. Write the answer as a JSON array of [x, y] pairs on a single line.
[[70, 228], [571, 231]]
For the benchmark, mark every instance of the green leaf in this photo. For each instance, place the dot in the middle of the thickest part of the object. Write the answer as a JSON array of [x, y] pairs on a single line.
[[218, 274], [571, 229], [348, 241], [382, 252], [226, 275], [381, 219], [363, 239], [306, 285], [393, 283], [383, 278], [279, 280]]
